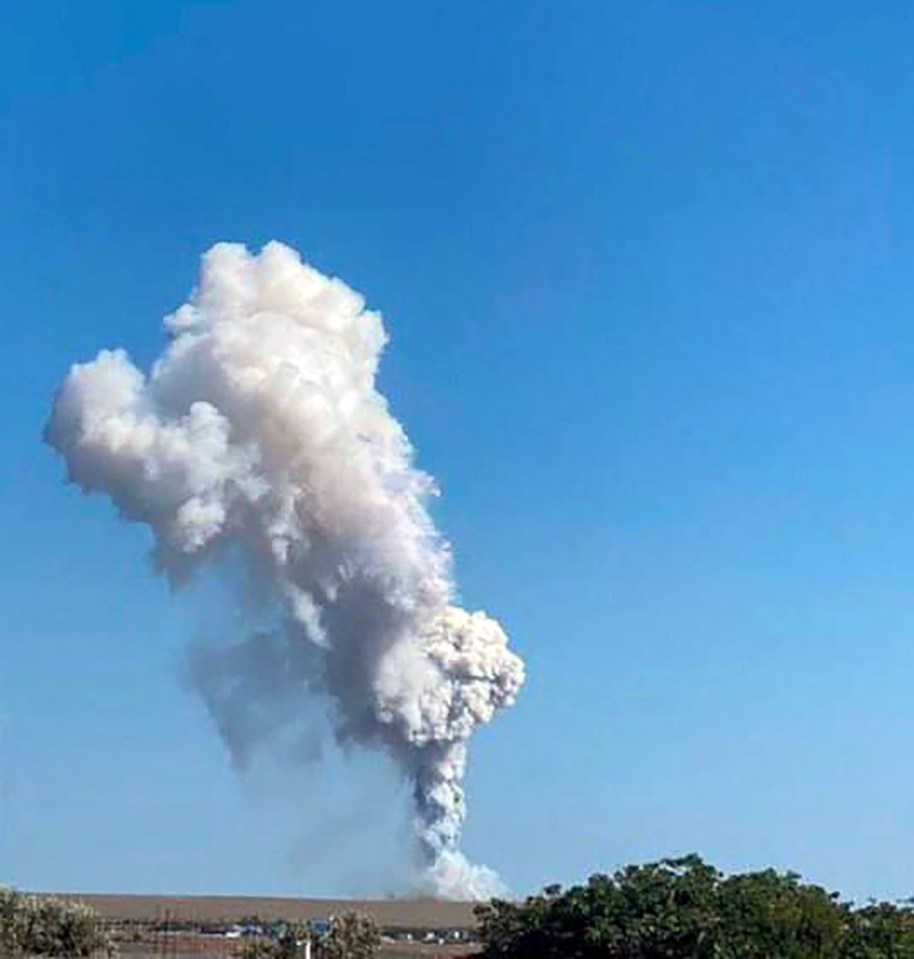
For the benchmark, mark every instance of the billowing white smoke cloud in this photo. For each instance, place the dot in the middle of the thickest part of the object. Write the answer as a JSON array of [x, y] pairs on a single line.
[[259, 433]]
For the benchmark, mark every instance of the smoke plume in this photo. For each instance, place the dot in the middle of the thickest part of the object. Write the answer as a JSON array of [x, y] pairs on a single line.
[[259, 436]]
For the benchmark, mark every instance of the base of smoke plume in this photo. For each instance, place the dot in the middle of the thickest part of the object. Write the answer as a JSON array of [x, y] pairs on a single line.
[[254, 698], [453, 876]]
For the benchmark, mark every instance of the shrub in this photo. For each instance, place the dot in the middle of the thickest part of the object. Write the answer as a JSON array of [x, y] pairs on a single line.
[[350, 936], [259, 949], [46, 926]]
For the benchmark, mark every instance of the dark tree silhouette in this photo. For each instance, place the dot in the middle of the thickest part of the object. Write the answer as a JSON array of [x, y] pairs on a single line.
[[686, 909]]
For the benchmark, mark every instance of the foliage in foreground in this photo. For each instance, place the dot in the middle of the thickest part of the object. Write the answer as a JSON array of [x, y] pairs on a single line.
[[350, 936], [45, 926], [686, 909]]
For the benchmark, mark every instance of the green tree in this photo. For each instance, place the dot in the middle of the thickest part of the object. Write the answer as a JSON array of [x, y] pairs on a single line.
[[686, 909], [350, 936], [288, 946], [881, 931], [14, 922], [258, 949]]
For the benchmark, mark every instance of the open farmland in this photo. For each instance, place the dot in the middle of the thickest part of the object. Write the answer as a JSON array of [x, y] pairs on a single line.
[[425, 914], [195, 927]]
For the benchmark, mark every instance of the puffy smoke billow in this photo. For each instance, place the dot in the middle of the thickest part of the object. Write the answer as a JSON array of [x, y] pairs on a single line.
[[260, 434]]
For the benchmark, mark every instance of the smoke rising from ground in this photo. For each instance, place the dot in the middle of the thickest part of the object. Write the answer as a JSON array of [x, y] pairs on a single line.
[[259, 435]]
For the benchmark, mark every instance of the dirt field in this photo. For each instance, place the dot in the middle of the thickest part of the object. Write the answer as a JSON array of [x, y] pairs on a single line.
[[174, 927], [388, 913]]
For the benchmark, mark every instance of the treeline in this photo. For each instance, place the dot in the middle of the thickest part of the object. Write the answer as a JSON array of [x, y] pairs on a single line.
[[687, 909], [47, 926]]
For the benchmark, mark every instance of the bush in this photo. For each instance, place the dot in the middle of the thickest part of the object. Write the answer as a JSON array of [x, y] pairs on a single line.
[[350, 936], [46, 926], [259, 949]]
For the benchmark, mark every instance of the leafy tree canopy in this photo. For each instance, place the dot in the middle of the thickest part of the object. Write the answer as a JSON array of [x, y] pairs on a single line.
[[686, 909]]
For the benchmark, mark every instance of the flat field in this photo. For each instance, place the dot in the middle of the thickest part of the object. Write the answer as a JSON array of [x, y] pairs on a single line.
[[428, 914], [186, 927]]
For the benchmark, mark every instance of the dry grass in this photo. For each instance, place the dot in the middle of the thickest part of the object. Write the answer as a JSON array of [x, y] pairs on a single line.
[[388, 913]]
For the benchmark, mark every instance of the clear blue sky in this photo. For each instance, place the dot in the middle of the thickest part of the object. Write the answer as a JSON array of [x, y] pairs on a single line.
[[647, 268]]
